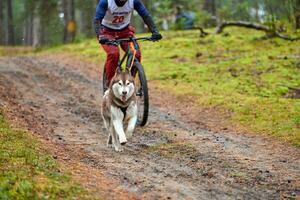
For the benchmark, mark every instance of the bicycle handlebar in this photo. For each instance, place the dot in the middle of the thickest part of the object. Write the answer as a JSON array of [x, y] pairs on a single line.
[[131, 39]]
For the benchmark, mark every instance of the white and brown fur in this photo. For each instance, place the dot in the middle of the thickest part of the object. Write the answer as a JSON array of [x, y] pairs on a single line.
[[120, 96]]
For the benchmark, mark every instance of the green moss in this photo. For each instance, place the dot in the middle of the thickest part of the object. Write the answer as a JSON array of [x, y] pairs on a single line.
[[26, 172]]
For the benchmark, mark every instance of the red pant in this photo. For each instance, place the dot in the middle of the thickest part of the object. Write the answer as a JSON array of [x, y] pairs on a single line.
[[113, 52]]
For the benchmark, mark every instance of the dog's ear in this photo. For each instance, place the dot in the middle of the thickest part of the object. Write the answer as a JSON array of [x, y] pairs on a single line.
[[118, 70], [127, 71]]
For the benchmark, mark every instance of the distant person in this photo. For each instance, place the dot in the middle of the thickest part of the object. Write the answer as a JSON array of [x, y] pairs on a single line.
[[184, 19], [112, 20]]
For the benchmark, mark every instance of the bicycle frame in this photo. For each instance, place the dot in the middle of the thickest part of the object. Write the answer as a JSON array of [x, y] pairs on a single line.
[[130, 53]]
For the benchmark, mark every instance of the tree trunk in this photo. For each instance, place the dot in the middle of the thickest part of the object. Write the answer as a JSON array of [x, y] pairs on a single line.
[[269, 31], [36, 30], [28, 25], [35, 34], [29, 30], [10, 24], [297, 14], [256, 7], [69, 19], [66, 14], [210, 6], [87, 11], [2, 24]]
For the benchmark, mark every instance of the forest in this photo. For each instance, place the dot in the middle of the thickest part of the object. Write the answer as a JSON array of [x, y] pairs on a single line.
[[38, 23]]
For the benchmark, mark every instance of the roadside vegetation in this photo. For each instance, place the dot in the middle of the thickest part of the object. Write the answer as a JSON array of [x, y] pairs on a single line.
[[236, 72], [28, 172]]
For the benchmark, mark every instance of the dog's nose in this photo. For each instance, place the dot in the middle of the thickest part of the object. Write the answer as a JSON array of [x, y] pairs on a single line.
[[123, 143], [124, 92]]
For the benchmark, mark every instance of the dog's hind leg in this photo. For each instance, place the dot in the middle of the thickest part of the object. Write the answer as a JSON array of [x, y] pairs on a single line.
[[107, 125], [109, 141], [130, 127]]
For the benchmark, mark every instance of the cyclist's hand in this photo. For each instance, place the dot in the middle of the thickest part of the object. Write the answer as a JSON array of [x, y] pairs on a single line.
[[103, 40], [156, 36]]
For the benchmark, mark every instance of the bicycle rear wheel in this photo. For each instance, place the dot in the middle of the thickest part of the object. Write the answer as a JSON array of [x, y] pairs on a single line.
[[141, 94]]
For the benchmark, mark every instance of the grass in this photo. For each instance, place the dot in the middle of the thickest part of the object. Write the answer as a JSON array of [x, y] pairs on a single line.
[[27, 172], [13, 51], [237, 73]]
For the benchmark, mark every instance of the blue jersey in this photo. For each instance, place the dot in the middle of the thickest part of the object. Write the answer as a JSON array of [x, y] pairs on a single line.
[[114, 17]]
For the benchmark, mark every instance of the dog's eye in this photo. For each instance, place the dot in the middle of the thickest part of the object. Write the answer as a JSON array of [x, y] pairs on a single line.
[[127, 83], [120, 83]]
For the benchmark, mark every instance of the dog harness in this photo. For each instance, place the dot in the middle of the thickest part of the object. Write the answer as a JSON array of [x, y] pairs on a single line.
[[124, 111]]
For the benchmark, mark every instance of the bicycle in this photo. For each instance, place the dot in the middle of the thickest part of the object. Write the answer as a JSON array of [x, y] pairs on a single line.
[[137, 71]]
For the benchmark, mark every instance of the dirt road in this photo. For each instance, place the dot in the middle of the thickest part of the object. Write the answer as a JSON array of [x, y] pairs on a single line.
[[58, 98]]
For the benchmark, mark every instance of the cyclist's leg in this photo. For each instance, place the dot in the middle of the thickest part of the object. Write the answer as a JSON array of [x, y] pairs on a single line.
[[112, 55], [112, 59]]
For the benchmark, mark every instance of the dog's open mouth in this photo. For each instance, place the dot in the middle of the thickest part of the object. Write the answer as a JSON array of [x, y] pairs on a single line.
[[123, 98]]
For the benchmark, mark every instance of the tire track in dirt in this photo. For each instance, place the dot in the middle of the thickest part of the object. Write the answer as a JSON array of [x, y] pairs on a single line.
[[169, 159]]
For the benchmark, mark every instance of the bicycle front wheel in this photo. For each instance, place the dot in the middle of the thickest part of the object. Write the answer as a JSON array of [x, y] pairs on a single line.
[[104, 81], [141, 93]]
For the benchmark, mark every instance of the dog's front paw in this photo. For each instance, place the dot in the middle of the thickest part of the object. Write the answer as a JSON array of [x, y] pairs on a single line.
[[118, 148], [109, 145], [129, 134]]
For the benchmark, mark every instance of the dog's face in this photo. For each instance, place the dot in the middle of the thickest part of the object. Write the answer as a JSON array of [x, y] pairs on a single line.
[[123, 85]]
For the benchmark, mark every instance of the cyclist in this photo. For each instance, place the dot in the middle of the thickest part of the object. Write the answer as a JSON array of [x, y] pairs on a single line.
[[112, 20]]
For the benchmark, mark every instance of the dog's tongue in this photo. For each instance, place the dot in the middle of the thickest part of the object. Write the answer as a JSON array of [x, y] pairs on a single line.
[[123, 97]]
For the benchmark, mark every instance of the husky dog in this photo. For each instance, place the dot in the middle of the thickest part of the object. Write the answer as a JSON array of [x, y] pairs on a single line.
[[119, 107]]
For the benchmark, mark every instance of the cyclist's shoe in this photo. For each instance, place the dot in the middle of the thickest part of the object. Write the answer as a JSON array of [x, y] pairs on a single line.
[[104, 89], [156, 36], [139, 92]]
